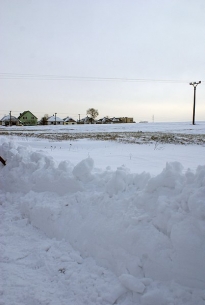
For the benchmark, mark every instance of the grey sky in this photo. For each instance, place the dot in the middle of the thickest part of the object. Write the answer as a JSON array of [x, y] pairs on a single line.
[[141, 39]]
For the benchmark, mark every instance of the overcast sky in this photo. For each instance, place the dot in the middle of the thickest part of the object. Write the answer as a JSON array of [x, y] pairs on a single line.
[[61, 54]]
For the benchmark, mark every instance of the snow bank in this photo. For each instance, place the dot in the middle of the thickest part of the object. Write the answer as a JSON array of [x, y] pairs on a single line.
[[145, 229]]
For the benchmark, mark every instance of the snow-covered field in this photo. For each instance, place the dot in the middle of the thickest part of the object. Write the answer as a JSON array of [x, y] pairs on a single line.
[[182, 127], [102, 222]]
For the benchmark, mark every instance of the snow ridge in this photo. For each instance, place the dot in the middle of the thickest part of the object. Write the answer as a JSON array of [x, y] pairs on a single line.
[[148, 231]]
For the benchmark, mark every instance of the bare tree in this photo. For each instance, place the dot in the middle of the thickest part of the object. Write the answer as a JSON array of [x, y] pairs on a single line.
[[44, 119], [93, 113]]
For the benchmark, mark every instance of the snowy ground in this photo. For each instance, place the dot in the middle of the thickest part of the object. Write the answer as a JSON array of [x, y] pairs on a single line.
[[185, 127], [102, 222]]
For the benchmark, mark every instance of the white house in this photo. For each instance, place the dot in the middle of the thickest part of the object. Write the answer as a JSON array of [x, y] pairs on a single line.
[[116, 120], [8, 120], [104, 120], [69, 121], [87, 120], [54, 120]]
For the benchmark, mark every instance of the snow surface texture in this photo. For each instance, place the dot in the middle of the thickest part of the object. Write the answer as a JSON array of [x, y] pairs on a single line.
[[173, 127], [80, 235]]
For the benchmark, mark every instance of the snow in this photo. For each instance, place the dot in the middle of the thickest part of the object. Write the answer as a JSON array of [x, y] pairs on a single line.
[[100, 222], [132, 283], [181, 127]]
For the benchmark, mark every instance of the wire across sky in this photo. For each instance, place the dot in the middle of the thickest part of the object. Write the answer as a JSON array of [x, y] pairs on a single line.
[[85, 78]]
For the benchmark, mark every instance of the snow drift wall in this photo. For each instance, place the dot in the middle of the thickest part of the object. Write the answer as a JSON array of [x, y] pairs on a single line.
[[142, 227]]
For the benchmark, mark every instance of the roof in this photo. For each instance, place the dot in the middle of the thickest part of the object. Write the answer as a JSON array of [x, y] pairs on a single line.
[[22, 114], [115, 119], [105, 119], [53, 119], [69, 119], [7, 118], [87, 118]]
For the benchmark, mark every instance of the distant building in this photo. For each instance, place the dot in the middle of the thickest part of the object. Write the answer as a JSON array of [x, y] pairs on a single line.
[[27, 118], [9, 120], [54, 120], [69, 121], [115, 120], [87, 120], [104, 120], [127, 120]]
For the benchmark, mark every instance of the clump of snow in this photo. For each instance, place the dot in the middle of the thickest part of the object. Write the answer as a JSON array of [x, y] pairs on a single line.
[[148, 231], [132, 283], [82, 171]]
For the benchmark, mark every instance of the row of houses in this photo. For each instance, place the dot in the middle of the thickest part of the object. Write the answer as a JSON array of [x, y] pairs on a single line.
[[27, 118]]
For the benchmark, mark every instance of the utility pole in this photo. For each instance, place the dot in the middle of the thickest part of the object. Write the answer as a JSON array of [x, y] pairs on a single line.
[[55, 118], [10, 118], [153, 118], [194, 84]]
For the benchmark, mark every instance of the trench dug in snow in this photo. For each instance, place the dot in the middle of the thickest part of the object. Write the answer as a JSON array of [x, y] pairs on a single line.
[[143, 228]]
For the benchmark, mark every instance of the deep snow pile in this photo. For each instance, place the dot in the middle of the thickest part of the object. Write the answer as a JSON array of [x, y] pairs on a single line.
[[149, 231]]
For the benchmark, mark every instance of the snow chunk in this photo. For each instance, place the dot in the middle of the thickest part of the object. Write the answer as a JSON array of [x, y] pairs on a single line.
[[118, 182], [132, 283], [82, 171], [154, 297], [169, 178]]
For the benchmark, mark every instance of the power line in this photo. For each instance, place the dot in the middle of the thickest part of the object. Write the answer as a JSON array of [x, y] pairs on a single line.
[[40, 113], [5, 110], [85, 78], [44, 112]]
